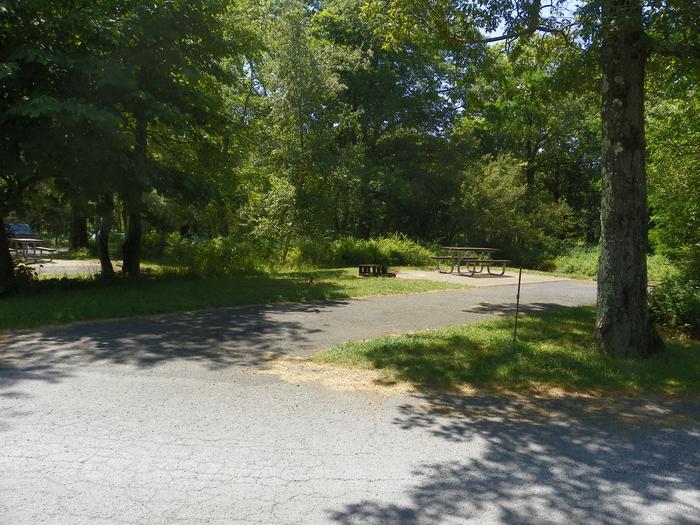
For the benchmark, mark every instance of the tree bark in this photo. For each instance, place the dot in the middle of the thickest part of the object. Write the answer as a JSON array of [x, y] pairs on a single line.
[[7, 267], [78, 228], [106, 218], [623, 327], [131, 264]]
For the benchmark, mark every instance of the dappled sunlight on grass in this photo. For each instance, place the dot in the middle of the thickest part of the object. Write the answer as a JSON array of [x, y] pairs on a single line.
[[554, 349]]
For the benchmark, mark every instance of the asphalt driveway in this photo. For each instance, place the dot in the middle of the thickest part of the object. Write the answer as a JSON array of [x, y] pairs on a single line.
[[166, 419]]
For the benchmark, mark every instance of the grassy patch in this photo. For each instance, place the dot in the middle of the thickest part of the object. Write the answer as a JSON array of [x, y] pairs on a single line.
[[65, 300], [554, 350]]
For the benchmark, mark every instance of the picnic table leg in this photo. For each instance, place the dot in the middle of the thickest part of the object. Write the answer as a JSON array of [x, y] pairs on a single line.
[[503, 269], [464, 260], [452, 267]]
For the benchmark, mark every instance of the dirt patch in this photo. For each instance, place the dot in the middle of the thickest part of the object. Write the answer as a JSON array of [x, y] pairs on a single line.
[[83, 267], [300, 370]]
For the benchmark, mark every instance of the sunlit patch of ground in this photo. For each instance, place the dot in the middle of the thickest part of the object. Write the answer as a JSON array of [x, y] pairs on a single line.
[[341, 379]]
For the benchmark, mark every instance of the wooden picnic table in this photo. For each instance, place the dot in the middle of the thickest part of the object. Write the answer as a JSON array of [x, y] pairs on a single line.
[[471, 256]]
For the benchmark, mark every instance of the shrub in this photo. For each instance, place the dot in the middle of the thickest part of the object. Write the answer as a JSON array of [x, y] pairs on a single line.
[[583, 260], [396, 249], [675, 304], [153, 245], [547, 265], [578, 260], [25, 275], [313, 252], [209, 257], [399, 250]]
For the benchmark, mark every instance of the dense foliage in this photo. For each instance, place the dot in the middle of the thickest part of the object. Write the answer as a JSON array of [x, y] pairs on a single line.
[[675, 304], [234, 134]]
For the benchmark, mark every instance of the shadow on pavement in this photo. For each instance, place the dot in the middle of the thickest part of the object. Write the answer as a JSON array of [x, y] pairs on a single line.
[[509, 308], [549, 461], [216, 338]]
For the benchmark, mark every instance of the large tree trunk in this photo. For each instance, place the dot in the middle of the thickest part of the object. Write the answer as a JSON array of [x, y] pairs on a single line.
[[623, 328], [7, 267], [106, 217], [133, 202], [131, 263], [78, 228]]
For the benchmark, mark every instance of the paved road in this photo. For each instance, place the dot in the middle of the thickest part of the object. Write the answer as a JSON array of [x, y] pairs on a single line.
[[242, 335], [165, 419]]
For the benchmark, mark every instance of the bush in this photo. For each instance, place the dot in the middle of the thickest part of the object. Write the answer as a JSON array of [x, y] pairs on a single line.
[[209, 257], [578, 260], [25, 276], [675, 304], [395, 249], [153, 245], [583, 260]]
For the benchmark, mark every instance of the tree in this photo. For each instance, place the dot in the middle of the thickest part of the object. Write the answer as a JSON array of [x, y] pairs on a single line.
[[115, 98], [622, 322], [171, 57], [624, 34], [673, 102], [42, 60], [393, 117]]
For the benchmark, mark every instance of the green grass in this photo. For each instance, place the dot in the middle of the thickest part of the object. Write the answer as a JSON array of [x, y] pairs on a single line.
[[66, 300], [555, 349]]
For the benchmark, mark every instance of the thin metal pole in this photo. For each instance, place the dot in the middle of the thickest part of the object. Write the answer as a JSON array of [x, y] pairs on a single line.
[[517, 306]]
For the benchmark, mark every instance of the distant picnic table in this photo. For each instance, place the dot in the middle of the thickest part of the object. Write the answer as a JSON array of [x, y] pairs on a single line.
[[29, 247], [470, 257]]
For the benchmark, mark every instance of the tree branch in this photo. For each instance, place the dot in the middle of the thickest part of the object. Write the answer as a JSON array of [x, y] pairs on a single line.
[[672, 50], [517, 34]]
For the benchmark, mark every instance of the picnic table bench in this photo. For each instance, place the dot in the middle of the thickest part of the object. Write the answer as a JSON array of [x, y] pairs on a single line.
[[470, 257]]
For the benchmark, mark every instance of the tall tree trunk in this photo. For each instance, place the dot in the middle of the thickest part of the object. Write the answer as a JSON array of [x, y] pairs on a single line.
[[133, 202], [131, 262], [623, 327], [366, 209], [285, 248], [78, 227], [106, 218], [531, 153], [7, 267]]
